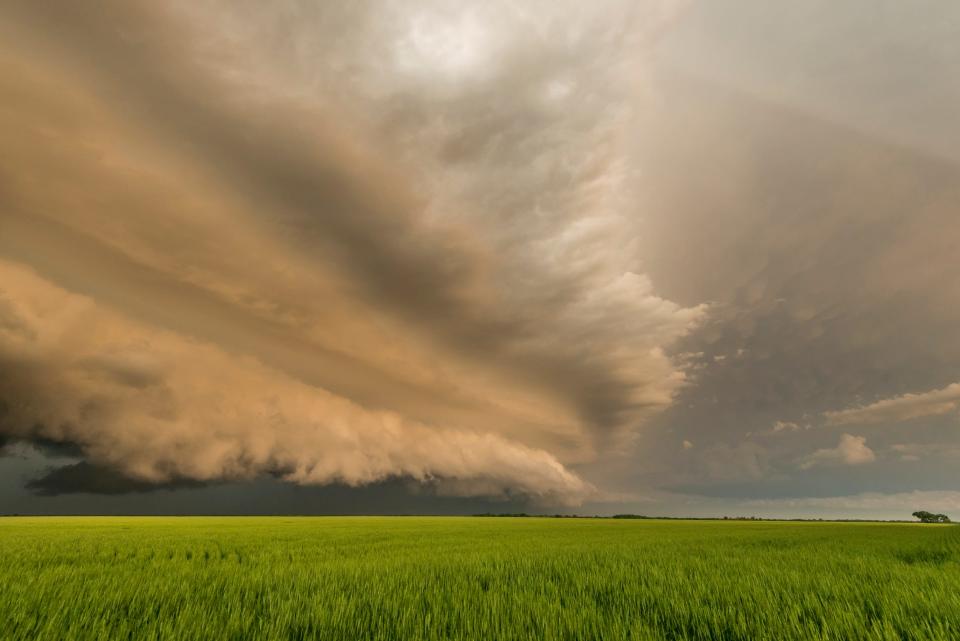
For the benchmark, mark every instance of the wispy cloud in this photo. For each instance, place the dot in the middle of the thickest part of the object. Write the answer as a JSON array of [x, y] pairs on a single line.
[[926, 451], [900, 408]]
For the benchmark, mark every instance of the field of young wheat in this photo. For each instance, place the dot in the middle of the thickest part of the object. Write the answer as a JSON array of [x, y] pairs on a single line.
[[385, 578]]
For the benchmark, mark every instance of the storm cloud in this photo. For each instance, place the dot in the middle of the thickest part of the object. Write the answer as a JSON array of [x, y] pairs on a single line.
[[341, 244], [585, 255]]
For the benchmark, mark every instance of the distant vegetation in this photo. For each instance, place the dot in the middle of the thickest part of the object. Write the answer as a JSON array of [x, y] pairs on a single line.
[[929, 517], [432, 578], [516, 515]]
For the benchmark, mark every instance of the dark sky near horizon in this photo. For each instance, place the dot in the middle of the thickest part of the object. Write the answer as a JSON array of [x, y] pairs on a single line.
[[664, 257]]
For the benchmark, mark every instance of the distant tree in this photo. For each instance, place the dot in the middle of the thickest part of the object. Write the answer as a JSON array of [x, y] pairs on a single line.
[[930, 517]]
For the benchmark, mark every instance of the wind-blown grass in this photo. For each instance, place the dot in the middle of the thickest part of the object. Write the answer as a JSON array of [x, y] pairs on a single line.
[[474, 578]]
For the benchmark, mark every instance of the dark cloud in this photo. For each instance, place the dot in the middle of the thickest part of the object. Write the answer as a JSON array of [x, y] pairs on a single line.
[[51, 448], [87, 478], [266, 496]]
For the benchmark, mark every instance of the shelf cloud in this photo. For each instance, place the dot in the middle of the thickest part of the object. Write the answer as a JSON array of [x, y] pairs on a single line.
[[330, 244]]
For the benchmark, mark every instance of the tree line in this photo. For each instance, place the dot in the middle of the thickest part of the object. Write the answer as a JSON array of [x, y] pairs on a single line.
[[930, 517]]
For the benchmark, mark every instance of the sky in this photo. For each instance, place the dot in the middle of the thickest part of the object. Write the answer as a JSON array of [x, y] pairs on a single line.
[[662, 257]]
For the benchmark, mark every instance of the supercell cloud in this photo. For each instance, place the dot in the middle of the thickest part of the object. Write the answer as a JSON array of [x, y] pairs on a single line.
[[329, 243]]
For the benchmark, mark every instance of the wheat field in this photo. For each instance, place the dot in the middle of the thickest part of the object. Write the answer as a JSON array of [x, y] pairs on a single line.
[[354, 578]]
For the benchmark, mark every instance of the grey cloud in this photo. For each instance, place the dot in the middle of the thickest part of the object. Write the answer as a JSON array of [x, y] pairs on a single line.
[[744, 461], [823, 238], [826, 255], [882, 67]]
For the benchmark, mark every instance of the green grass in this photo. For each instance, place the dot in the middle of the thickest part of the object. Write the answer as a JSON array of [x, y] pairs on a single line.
[[474, 578]]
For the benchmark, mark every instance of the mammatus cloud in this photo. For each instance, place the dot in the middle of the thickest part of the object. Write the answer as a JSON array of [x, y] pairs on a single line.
[[901, 408], [331, 243], [851, 450]]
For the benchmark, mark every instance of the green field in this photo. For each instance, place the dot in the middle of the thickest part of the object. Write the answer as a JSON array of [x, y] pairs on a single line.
[[474, 578]]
